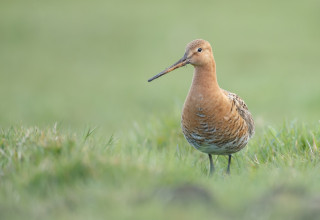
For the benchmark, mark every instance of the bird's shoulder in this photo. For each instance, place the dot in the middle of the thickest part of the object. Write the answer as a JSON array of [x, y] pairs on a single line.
[[242, 109]]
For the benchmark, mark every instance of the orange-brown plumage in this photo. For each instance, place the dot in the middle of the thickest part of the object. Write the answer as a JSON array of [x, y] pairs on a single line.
[[214, 120]]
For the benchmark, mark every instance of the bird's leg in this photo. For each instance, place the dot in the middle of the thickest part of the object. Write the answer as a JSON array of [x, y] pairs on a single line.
[[211, 165], [229, 162]]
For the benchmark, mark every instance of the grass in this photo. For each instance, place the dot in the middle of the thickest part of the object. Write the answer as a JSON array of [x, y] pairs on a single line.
[[54, 173]]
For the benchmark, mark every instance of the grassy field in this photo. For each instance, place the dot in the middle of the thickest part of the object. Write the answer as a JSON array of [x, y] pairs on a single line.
[[52, 173], [84, 136]]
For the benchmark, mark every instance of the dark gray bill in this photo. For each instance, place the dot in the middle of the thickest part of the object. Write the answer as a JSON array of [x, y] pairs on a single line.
[[182, 62]]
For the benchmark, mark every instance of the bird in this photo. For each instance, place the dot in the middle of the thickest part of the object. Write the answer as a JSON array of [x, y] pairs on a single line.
[[214, 121]]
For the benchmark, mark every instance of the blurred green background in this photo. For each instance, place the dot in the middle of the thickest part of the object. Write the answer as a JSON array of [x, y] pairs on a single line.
[[87, 62]]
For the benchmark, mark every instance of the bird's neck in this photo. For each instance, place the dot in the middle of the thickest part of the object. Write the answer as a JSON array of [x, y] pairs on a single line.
[[205, 77], [205, 93]]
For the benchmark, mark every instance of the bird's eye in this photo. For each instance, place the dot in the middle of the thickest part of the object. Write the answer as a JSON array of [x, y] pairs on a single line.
[[199, 50]]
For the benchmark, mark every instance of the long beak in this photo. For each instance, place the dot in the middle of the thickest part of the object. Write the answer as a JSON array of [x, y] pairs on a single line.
[[182, 62]]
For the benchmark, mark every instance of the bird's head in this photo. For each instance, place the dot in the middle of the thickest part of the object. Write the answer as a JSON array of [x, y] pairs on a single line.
[[198, 53]]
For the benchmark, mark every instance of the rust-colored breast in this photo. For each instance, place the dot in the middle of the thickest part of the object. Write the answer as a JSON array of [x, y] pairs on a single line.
[[216, 122]]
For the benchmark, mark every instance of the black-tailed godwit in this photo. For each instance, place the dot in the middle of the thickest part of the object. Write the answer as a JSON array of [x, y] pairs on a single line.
[[214, 121]]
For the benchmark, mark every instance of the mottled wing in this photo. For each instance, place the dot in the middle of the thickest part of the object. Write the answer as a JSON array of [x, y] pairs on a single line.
[[242, 110]]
